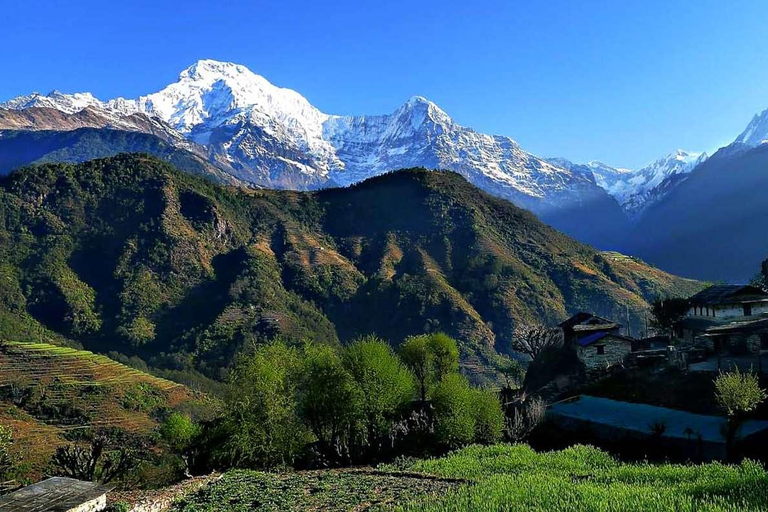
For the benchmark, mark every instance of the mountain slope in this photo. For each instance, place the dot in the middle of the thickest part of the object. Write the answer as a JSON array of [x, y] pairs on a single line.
[[21, 147], [128, 254], [712, 226]]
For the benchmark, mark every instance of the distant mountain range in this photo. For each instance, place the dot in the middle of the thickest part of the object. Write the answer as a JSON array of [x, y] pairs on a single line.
[[222, 120]]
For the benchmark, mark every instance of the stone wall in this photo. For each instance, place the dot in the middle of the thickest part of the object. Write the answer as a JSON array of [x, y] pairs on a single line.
[[615, 351]]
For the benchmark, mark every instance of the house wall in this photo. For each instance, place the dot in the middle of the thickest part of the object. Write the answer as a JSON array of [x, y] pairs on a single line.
[[728, 311], [95, 505], [615, 352]]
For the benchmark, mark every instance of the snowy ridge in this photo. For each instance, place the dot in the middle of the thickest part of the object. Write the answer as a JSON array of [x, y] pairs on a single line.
[[756, 132]]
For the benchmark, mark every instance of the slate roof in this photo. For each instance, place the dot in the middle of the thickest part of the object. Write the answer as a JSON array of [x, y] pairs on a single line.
[[57, 494], [596, 327], [757, 324], [728, 294]]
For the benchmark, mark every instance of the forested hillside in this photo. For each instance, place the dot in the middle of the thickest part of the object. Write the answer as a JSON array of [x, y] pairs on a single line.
[[127, 254]]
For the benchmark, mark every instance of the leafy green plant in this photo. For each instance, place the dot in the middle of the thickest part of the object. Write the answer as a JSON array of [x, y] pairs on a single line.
[[386, 386], [262, 425]]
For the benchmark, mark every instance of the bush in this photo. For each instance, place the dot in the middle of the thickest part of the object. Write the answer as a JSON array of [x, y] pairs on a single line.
[[386, 386], [738, 393], [261, 421]]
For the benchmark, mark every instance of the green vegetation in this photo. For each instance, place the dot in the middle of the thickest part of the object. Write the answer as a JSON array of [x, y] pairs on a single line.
[[584, 478], [499, 477], [245, 491], [126, 254], [357, 404], [738, 393]]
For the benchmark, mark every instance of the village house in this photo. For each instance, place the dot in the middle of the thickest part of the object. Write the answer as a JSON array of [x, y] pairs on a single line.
[[57, 494], [597, 341], [727, 319]]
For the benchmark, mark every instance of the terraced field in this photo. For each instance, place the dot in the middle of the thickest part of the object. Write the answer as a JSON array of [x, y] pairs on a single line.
[[49, 392]]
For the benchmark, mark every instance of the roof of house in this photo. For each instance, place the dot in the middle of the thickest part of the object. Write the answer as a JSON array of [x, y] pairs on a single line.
[[595, 327], [641, 417], [728, 293], [57, 494], [751, 325], [581, 317], [597, 336]]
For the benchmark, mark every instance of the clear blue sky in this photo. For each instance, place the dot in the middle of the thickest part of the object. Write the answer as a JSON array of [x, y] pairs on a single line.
[[619, 81]]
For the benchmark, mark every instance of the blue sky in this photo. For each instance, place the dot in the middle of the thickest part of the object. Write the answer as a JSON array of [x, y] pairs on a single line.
[[620, 81]]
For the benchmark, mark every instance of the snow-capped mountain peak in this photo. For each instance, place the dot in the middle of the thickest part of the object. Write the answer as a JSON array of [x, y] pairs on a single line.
[[68, 103], [756, 132]]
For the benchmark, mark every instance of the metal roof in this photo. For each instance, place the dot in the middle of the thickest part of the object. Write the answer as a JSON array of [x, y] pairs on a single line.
[[57, 494]]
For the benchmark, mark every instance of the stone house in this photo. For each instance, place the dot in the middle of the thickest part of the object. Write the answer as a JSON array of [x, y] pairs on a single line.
[[727, 319], [57, 494], [597, 341]]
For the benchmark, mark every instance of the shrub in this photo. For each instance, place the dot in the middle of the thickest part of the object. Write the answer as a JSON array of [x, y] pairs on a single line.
[[261, 421], [738, 393], [527, 413], [385, 384]]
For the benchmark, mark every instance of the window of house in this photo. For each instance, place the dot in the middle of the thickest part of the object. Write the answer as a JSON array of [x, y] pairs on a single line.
[[764, 342], [600, 349], [747, 309]]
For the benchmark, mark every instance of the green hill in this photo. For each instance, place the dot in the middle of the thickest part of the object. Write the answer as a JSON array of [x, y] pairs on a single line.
[[128, 254]]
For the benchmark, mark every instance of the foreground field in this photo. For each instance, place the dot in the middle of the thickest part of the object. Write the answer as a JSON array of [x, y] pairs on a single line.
[[501, 477]]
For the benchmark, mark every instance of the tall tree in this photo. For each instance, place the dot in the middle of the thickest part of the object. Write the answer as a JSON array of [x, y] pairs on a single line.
[[385, 383]]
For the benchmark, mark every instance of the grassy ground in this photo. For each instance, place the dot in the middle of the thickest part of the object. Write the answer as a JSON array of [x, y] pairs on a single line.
[[502, 477], [514, 478], [351, 489]]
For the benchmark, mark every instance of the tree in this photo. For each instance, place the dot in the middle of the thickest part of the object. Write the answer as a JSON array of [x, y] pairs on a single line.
[[533, 339], [179, 431], [445, 355], [386, 385], [109, 455], [737, 394], [329, 400], [453, 399], [489, 417], [430, 357], [416, 355], [262, 422], [667, 312]]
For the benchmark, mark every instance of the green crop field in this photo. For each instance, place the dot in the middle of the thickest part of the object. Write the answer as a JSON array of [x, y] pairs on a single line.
[[501, 477]]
